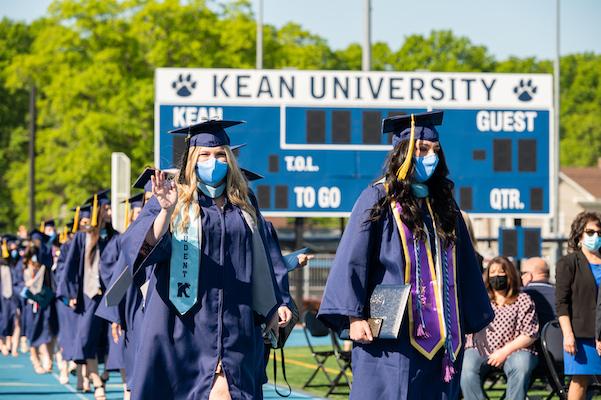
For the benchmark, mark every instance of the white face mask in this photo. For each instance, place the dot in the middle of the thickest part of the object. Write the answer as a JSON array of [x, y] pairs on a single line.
[[592, 242]]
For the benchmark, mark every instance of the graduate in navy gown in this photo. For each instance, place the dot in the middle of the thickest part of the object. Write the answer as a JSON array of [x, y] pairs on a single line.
[[213, 285], [81, 283], [67, 317], [121, 316], [407, 229], [39, 309], [10, 329]]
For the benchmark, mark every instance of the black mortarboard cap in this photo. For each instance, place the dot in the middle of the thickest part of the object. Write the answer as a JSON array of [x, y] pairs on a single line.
[[143, 180], [136, 201], [237, 146], [104, 197], [209, 133], [251, 176], [37, 235], [425, 126]]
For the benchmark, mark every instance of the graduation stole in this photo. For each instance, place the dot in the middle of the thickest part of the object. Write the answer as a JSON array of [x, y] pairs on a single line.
[[185, 264], [6, 281], [433, 304]]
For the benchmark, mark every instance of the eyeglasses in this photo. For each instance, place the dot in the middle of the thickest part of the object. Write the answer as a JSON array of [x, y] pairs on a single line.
[[591, 232]]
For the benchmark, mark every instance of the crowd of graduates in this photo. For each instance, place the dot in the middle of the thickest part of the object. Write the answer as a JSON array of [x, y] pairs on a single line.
[[54, 280]]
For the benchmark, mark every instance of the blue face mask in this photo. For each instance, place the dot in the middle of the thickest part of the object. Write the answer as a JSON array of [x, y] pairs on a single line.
[[14, 253], [103, 233], [211, 191], [211, 171], [593, 243], [425, 167]]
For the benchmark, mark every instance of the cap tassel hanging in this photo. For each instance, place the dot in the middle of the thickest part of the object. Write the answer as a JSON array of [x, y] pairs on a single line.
[[42, 226], [65, 234], [404, 168], [127, 217], [76, 220], [94, 222], [5, 253]]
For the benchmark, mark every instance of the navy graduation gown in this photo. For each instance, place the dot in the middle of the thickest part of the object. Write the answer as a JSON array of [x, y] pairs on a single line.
[[9, 306], [91, 330], [67, 318], [111, 265], [177, 355], [42, 323], [369, 254]]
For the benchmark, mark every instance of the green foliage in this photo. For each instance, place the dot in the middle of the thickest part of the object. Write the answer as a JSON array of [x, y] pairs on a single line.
[[93, 64]]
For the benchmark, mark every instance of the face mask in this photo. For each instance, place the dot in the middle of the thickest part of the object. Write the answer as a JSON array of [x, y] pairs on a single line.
[[211, 171], [499, 282], [593, 243], [14, 253], [424, 167], [103, 233], [211, 191], [419, 190]]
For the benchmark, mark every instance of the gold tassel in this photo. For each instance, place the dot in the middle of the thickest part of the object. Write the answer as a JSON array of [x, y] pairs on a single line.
[[95, 212], [404, 168], [127, 214], [65, 234], [5, 253], [76, 221], [42, 226]]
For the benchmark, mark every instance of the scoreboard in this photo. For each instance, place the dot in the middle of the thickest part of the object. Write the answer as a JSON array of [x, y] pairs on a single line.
[[316, 135]]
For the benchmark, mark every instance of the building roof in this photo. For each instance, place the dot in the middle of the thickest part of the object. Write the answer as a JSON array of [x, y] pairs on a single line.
[[589, 178]]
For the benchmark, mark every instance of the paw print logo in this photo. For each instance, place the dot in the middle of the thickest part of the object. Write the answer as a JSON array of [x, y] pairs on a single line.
[[184, 85], [525, 90]]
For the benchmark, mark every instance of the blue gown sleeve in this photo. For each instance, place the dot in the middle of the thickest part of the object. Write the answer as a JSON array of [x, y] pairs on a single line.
[[18, 280], [345, 294], [111, 314], [108, 259], [68, 284], [280, 268], [476, 311], [134, 238]]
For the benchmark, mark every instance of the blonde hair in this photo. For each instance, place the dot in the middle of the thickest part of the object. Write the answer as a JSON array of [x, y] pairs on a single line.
[[236, 188]]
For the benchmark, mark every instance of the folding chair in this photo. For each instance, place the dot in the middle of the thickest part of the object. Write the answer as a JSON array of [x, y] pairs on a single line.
[[552, 348], [343, 359], [313, 328]]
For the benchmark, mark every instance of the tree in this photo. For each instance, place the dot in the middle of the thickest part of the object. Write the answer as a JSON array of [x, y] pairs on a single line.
[[15, 38]]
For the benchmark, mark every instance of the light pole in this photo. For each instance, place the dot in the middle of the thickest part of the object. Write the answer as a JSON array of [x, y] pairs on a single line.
[[366, 60], [32, 129], [259, 54]]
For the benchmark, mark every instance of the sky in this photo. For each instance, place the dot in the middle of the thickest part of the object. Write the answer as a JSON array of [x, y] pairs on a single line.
[[520, 28]]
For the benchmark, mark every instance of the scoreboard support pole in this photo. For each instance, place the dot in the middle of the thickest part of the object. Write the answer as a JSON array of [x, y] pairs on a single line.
[[518, 262], [299, 233]]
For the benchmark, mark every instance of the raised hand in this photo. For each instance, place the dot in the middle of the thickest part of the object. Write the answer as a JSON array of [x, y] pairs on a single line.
[[164, 190]]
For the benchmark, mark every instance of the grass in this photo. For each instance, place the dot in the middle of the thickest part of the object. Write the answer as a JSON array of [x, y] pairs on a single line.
[[300, 365]]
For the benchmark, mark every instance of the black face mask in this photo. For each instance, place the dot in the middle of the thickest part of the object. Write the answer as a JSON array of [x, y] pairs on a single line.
[[499, 282]]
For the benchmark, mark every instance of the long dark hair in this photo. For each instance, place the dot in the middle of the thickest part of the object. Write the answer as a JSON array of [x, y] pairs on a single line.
[[441, 196], [578, 225]]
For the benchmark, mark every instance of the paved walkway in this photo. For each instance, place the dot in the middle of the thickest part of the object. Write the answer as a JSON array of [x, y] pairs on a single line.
[[18, 381]]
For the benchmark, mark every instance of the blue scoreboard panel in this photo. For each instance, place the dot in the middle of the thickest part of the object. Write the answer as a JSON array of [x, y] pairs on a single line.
[[317, 158]]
